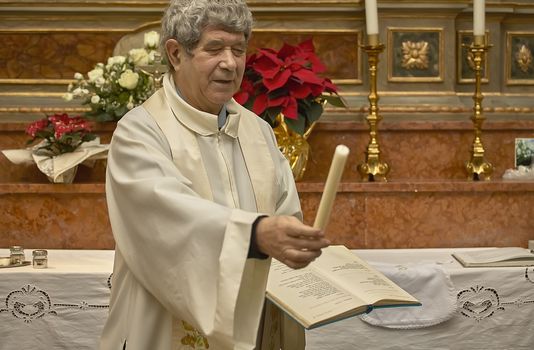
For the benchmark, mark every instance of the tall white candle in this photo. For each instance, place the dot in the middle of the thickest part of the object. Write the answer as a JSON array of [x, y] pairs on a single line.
[[479, 27], [330, 187], [371, 17]]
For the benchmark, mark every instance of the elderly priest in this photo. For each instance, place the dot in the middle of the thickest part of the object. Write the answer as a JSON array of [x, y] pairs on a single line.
[[199, 196]]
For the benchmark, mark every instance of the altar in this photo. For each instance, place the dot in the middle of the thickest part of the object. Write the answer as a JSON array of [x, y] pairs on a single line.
[[494, 309], [65, 306]]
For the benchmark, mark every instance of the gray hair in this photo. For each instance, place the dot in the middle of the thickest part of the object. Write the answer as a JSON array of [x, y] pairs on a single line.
[[184, 20]]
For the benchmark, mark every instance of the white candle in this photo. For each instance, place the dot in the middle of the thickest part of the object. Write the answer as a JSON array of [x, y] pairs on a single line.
[[479, 27], [371, 17], [330, 187]]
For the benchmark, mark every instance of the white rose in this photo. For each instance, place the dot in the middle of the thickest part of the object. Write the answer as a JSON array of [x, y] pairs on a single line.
[[139, 57], [95, 99], [68, 96], [151, 40], [129, 79], [116, 60], [78, 76], [100, 81], [130, 105], [77, 91], [95, 74], [151, 56]]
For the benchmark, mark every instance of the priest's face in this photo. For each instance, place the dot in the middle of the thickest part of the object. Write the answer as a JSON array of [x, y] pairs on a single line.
[[212, 74]]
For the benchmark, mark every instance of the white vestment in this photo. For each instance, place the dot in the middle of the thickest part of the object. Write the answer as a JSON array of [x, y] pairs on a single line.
[[182, 196]]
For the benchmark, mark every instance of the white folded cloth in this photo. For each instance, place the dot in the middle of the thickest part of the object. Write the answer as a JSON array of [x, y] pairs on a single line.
[[430, 284], [56, 167]]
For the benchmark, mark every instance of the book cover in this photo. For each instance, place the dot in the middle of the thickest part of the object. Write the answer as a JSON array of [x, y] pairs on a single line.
[[495, 257]]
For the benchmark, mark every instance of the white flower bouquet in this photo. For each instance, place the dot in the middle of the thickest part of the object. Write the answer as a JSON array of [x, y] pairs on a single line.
[[114, 88]]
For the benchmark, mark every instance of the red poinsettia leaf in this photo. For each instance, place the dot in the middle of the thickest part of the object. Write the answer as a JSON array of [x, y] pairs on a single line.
[[291, 109], [316, 89], [287, 51], [260, 104], [329, 86], [266, 67], [277, 81], [316, 65], [308, 53], [250, 60], [300, 91], [280, 101], [297, 64], [241, 97], [307, 76], [307, 45]]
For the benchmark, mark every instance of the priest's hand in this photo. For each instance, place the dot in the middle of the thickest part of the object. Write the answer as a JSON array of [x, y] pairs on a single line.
[[289, 241]]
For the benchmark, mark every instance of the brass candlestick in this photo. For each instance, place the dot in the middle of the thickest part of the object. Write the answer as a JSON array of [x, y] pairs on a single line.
[[373, 169], [477, 167], [156, 70]]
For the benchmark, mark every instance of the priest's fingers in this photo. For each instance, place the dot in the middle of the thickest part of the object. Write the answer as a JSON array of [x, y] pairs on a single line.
[[293, 227], [298, 259], [274, 234], [304, 243]]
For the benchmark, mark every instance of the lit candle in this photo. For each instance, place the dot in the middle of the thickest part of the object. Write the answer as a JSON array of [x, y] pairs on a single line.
[[371, 21], [479, 27], [330, 187]]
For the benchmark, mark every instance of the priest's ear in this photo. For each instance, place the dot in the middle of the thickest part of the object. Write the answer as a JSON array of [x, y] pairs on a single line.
[[174, 52]]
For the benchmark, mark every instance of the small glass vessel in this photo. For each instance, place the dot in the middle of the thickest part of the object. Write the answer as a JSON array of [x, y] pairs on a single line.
[[17, 255], [40, 259]]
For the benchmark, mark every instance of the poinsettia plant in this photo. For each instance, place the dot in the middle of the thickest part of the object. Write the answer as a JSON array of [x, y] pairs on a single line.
[[59, 133], [287, 82]]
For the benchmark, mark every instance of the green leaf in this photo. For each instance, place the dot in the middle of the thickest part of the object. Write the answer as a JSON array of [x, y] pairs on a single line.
[[334, 100], [314, 112], [297, 125], [88, 137]]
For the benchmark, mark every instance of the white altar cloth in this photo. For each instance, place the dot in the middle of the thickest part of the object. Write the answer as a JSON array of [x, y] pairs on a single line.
[[66, 305], [494, 310], [62, 307]]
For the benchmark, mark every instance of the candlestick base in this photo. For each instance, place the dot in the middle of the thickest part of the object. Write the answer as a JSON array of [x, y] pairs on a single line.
[[479, 169], [373, 169]]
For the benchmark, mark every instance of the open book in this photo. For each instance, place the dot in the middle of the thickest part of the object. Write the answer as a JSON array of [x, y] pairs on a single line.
[[495, 257], [335, 286]]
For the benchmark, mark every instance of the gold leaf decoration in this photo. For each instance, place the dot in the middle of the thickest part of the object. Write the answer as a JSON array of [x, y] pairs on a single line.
[[194, 338], [415, 55], [524, 58]]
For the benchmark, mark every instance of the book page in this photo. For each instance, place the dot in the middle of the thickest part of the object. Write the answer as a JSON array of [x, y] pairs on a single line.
[[311, 296], [495, 254], [354, 274]]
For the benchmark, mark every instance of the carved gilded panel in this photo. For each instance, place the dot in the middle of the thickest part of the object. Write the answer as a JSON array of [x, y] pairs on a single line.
[[52, 55], [519, 58], [415, 54]]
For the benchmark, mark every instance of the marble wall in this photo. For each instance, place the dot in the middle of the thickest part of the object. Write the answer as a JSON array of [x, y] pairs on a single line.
[[415, 214]]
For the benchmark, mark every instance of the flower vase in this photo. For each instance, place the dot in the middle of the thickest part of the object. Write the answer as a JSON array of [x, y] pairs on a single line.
[[67, 177], [294, 146]]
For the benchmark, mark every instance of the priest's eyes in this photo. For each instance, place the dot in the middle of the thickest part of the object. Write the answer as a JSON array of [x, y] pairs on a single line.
[[237, 51]]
